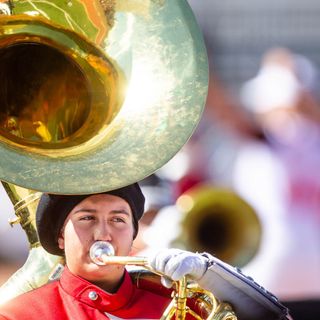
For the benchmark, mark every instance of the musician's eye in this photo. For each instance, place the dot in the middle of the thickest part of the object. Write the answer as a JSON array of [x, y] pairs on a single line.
[[118, 219], [86, 218]]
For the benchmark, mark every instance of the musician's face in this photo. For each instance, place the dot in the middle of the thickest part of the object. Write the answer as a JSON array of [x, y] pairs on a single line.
[[99, 217]]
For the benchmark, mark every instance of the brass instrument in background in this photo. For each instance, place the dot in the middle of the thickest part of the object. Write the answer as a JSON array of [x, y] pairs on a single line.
[[218, 221], [94, 95]]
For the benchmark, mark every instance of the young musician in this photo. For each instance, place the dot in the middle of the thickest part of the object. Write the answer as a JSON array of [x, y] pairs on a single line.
[[69, 225]]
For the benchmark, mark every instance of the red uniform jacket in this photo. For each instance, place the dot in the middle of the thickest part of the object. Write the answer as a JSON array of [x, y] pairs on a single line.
[[75, 298]]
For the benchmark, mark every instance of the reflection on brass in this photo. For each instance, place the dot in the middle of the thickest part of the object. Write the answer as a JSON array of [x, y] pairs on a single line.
[[5, 8], [109, 9], [140, 7], [45, 97]]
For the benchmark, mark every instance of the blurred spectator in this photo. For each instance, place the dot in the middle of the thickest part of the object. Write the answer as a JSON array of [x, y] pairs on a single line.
[[281, 177]]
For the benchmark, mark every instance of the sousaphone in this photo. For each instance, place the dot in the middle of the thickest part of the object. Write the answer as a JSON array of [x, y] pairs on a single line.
[[94, 95]]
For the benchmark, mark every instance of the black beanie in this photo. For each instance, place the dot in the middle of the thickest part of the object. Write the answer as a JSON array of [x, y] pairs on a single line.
[[53, 209]]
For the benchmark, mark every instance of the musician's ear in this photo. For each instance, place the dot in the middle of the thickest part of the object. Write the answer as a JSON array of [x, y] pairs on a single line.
[[61, 240]]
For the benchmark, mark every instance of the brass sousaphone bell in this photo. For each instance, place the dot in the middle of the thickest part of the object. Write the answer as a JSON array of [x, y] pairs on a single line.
[[95, 94]]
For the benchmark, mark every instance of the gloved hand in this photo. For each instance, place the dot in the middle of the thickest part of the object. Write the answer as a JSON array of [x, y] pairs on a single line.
[[176, 263]]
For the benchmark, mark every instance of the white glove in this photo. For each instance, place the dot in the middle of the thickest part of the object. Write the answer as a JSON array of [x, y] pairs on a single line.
[[176, 263]]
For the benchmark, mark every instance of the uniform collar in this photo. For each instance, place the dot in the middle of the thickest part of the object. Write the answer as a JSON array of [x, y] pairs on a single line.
[[88, 293]]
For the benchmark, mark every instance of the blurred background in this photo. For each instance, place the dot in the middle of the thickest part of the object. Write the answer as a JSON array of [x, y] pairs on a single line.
[[259, 138]]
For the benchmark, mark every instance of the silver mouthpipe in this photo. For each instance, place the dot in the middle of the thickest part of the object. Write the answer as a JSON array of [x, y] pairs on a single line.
[[102, 253]]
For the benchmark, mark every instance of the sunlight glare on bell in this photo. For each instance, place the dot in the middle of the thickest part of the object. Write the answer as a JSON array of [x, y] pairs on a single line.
[[148, 87]]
